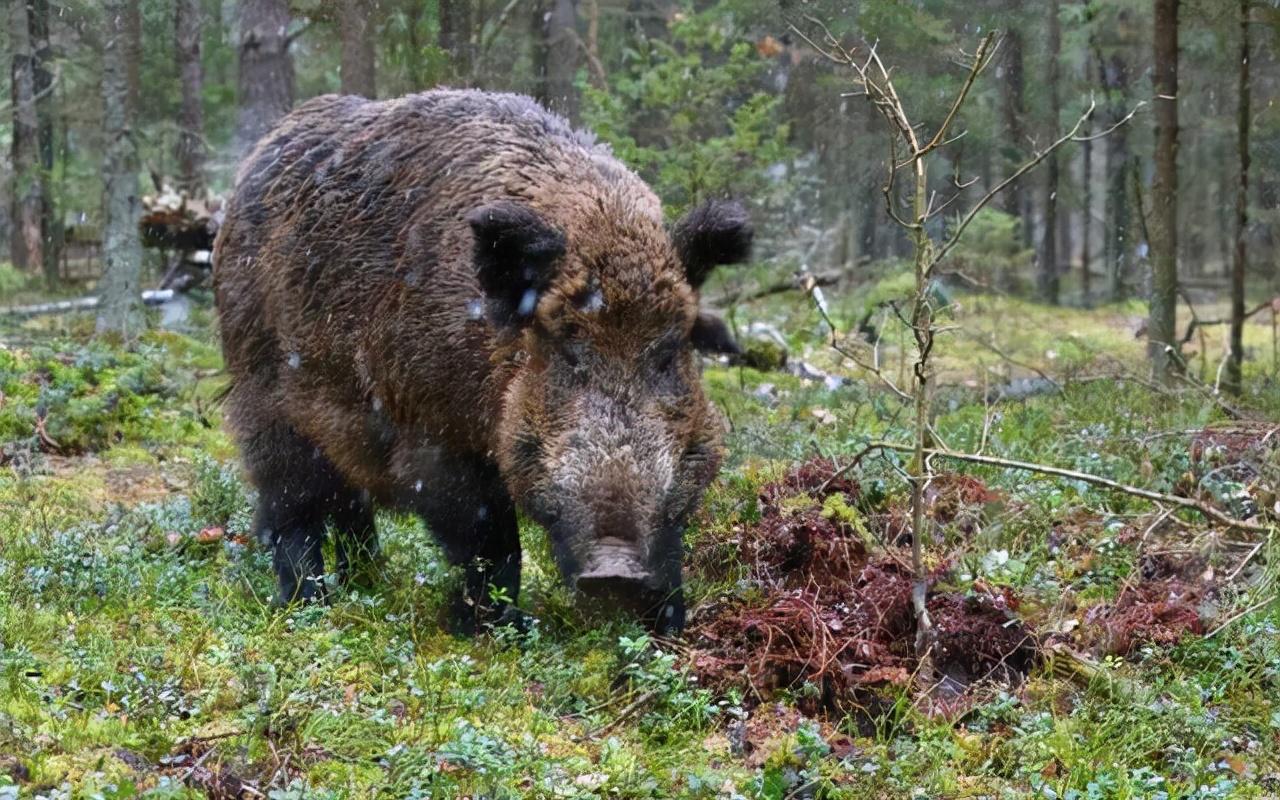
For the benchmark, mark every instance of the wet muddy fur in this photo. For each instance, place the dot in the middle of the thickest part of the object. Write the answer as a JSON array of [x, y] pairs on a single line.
[[453, 303]]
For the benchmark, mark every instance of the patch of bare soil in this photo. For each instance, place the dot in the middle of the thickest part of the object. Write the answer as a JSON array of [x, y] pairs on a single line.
[[834, 620]]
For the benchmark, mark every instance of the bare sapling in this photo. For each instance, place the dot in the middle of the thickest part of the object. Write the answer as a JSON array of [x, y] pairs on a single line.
[[910, 153]]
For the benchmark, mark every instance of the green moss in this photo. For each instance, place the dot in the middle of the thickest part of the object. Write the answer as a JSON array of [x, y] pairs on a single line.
[[118, 631]]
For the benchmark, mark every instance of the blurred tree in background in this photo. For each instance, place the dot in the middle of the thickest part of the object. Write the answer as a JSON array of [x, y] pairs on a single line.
[[703, 98]]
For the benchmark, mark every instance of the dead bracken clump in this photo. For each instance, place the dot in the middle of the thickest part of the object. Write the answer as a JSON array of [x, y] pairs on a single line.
[[1159, 612], [831, 616]]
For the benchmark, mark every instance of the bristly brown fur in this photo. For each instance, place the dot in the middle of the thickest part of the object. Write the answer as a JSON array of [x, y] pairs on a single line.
[[369, 281]]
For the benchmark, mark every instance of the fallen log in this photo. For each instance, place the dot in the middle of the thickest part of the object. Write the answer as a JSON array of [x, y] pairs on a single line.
[[151, 297]]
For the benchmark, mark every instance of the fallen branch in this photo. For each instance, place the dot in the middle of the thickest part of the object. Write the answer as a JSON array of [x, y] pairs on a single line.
[[1239, 614], [795, 283], [151, 297], [626, 713], [1203, 508], [1196, 322]]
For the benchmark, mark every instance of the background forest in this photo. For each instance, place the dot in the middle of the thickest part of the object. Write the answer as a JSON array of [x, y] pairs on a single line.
[[999, 513], [703, 99]]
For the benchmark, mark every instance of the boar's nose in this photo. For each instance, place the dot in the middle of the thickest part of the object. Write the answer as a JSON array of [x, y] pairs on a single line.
[[615, 572]]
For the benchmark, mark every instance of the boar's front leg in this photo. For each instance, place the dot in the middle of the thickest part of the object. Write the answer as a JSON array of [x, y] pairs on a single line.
[[298, 489], [468, 509], [355, 540]]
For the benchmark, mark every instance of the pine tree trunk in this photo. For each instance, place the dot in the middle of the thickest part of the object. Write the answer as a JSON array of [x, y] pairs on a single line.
[[133, 58], [1086, 218], [1015, 197], [561, 36], [455, 38], [42, 83], [1239, 262], [1048, 275], [190, 149], [1161, 336], [1117, 167], [120, 310], [357, 28], [27, 242], [266, 69]]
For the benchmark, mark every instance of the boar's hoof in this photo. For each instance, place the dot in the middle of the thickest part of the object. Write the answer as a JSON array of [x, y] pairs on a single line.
[[466, 618], [307, 592]]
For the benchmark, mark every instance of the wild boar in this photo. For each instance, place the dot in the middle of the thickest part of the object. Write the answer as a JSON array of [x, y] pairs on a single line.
[[454, 303]]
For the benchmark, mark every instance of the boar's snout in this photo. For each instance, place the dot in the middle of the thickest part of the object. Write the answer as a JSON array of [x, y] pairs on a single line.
[[615, 569], [616, 576]]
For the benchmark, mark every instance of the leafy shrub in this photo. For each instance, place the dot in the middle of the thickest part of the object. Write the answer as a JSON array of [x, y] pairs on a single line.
[[12, 280], [88, 397]]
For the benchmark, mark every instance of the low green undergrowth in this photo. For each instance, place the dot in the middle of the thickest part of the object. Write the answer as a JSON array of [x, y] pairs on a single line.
[[139, 654]]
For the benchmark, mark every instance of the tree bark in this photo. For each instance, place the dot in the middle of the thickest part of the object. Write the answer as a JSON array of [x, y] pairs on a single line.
[[121, 309], [1014, 111], [42, 83], [1161, 336], [133, 58], [1239, 261], [455, 37], [27, 242], [1086, 219], [356, 29], [266, 69], [1048, 275], [1117, 161], [190, 149], [561, 36]]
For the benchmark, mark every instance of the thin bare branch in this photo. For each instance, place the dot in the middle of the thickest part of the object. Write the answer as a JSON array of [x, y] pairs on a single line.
[[1204, 509], [999, 187], [982, 57]]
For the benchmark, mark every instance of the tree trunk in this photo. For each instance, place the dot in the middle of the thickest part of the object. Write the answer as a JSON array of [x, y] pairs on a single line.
[[357, 28], [455, 37], [1116, 228], [1161, 336], [1086, 219], [27, 242], [121, 308], [1239, 262], [1048, 275], [266, 69], [42, 83], [190, 151], [560, 34], [1013, 86], [133, 58]]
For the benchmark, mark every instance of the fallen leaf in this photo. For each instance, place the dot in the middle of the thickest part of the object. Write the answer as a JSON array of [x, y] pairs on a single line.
[[210, 535]]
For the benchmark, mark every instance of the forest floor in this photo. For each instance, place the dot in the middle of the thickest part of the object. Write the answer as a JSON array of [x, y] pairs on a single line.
[[1091, 644]]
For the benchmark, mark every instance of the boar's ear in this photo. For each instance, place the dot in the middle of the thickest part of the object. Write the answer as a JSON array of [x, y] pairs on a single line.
[[711, 335], [515, 255], [716, 232]]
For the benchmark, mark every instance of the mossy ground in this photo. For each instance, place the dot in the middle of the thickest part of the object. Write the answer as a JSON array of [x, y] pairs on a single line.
[[137, 659]]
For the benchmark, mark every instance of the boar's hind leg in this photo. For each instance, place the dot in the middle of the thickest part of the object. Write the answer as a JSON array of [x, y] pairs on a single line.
[[355, 540], [298, 489], [470, 513]]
